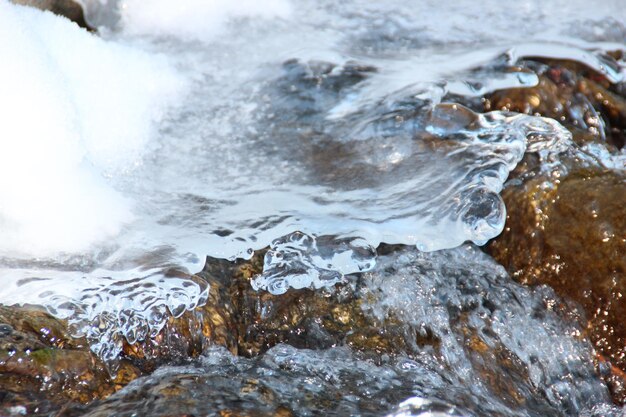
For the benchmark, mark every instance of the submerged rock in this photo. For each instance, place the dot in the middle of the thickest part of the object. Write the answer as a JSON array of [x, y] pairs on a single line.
[[66, 8]]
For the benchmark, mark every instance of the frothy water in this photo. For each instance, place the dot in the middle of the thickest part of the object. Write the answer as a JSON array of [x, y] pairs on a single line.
[[317, 128]]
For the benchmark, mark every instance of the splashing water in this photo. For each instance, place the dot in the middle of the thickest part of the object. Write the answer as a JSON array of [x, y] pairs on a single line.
[[165, 140], [474, 343], [108, 310], [302, 261]]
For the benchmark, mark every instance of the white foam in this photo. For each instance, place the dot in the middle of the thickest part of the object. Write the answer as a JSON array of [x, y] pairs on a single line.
[[73, 107], [193, 19]]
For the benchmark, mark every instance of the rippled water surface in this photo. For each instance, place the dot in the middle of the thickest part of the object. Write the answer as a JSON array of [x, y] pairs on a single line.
[[320, 129]]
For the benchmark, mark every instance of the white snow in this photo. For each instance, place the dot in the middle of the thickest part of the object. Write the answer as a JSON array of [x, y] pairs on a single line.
[[72, 108], [193, 19]]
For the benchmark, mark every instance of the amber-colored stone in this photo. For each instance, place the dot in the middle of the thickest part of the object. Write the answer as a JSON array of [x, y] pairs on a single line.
[[247, 322], [580, 99], [303, 318], [571, 234], [43, 367]]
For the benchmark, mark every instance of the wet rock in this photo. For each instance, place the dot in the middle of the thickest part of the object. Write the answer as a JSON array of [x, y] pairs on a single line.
[[42, 367], [566, 223], [247, 322], [66, 8], [570, 233], [284, 382], [449, 325], [190, 334], [583, 101]]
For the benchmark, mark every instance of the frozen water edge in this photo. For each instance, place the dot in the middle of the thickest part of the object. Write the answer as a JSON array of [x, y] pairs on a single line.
[[133, 306]]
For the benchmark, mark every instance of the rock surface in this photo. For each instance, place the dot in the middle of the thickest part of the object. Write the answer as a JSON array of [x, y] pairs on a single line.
[[585, 102], [566, 224], [571, 235], [42, 367]]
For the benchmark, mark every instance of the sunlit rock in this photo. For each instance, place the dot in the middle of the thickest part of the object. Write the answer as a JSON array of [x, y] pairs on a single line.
[[42, 367], [570, 234], [583, 100]]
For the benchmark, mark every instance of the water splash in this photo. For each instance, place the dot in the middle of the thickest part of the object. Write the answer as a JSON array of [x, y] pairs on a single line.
[[302, 261], [422, 407], [109, 311], [463, 299]]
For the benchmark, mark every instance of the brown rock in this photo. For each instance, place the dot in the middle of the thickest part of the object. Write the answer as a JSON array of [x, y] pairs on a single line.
[[248, 323], [42, 367], [571, 235], [580, 99]]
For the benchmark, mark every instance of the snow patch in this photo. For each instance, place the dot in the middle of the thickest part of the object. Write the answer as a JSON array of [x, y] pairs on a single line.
[[193, 19], [73, 108]]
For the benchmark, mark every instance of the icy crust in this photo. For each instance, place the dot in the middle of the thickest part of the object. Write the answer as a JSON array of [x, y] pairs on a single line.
[[417, 175], [108, 311], [412, 174], [304, 261]]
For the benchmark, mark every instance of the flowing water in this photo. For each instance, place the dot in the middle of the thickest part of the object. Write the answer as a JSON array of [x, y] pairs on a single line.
[[320, 129]]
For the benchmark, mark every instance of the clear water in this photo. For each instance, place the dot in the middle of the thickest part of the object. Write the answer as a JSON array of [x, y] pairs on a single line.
[[319, 129]]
